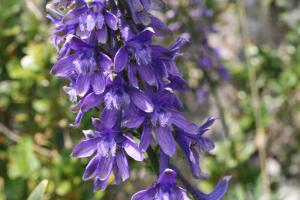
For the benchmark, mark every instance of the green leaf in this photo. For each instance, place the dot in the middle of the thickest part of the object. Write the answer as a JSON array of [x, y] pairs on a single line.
[[39, 191]]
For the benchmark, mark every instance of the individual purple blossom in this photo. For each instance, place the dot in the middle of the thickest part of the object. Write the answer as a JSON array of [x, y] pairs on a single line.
[[139, 10], [193, 144], [165, 188], [217, 193], [162, 121], [87, 67], [108, 145]]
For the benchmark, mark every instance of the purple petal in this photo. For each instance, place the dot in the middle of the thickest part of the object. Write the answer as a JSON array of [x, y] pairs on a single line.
[[132, 117], [143, 37], [219, 191], [78, 119], [160, 28], [110, 117], [90, 170], [144, 17], [132, 149], [166, 140], [104, 61], [90, 22], [137, 6], [205, 144], [97, 123], [132, 77], [98, 83], [191, 155], [164, 161], [88, 102], [147, 74], [105, 167], [121, 59], [116, 174], [181, 194], [178, 83], [111, 20], [100, 184], [85, 148], [64, 67], [141, 101], [82, 84], [72, 17], [122, 164], [102, 35], [209, 122], [181, 122], [133, 121], [146, 138], [144, 194], [168, 176], [77, 44]]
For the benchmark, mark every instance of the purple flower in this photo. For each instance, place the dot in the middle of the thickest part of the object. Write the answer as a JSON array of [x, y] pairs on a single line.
[[193, 145], [86, 66], [162, 120], [165, 188], [108, 145], [139, 10], [105, 51]]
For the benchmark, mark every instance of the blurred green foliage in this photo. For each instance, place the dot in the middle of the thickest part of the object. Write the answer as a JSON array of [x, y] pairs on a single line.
[[36, 110]]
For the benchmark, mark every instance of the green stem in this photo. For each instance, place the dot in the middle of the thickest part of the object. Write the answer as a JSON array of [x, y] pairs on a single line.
[[260, 133], [154, 160]]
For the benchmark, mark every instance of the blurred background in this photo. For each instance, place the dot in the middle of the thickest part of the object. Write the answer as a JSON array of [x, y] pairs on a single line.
[[242, 62]]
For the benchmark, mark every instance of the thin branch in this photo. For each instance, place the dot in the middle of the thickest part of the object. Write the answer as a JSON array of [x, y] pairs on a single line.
[[260, 136]]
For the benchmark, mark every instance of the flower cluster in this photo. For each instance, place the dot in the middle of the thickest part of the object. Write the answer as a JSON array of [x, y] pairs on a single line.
[[106, 52]]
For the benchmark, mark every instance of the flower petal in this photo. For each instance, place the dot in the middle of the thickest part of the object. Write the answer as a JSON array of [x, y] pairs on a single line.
[[160, 28], [82, 84], [168, 176], [166, 140], [181, 122], [64, 67], [110, 117], [100, 184], [132, 76], [219, 191], [142, 101], [98, 83], [164, 161], [90, 170], [88, 102], [146, 138], [104, 61], [121, 59], [111, 20], [147, 74], [122, 164], [86, 148], [105, 167], [144, 194], [102, 35], [132, 149], [132, 117], [143, 37], [77, 44]]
